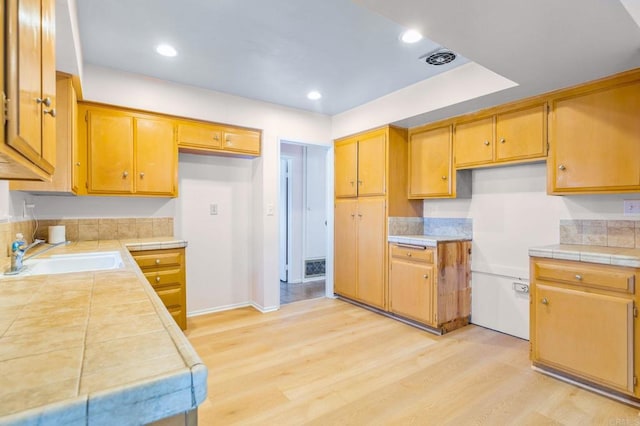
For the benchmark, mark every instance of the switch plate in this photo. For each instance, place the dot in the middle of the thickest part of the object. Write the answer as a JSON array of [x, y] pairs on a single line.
[[270, 209], [213, 209], [632, 207]]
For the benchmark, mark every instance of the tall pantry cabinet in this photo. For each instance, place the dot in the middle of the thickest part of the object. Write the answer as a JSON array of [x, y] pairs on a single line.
[[370, 186]]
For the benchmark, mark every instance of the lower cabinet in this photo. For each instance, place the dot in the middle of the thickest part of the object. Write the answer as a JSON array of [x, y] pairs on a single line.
[[583, 321], [165, 270], [431, 285]]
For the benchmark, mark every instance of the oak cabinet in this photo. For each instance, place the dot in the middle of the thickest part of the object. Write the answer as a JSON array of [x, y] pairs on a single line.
[[242, 141], [595, 141], [431, 285], [515, 135], [128, 153], [431, 173], [366, 194], [29, 88], [67, 177], [198, 135], [165, 271], [207, 138], [583, 321]]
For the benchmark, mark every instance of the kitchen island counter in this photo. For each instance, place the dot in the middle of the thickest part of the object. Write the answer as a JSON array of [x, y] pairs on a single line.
[[94, 348]]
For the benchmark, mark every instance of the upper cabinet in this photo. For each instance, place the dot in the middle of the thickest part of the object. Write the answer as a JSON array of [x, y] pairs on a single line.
[[29, 150], [431, 174], [128, 152], [207, 138], [595, 139], [517, 134], [360, 165]]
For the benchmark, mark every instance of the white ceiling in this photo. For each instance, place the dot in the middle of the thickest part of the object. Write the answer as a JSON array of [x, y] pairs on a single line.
[[278, 50]]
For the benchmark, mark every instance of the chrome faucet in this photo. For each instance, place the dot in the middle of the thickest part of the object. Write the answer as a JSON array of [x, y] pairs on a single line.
[[18, 250]]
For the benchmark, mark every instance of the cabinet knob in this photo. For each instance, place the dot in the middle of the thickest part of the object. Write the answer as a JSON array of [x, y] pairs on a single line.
[[359, 182], [578, 277], [216, 138], [125, 174], [46, 101], [157, 261], [444, 178], [408, 254], [78, 164], [351, 183], [486, 143], [562, 167], [359, 214], [353, 215], [141, 175], [544, 301], [425, 276], [228, 142], [502, 140], [51, 112], [158, 279]]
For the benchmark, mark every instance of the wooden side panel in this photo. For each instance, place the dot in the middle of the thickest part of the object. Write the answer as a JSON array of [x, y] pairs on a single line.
[[372, 160], [346, 168], [521, 134], [398, 176], [156, 157], [473, 142], [453, 281], [372, 243], [345, 257]]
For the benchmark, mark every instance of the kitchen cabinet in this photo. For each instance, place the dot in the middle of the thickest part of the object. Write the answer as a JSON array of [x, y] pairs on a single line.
[[595, 140], [29, 90], [583, 321], [69, 158], [366, 194], [128, 152], [165, 271], [516, 134], [431, 173], [431, 285], [207, 138]]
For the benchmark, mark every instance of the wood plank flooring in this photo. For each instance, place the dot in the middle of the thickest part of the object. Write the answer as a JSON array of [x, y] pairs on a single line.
[[327, 362]]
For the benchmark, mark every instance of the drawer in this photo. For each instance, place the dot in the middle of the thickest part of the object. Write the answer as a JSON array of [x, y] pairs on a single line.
[[170, 296], [159, 259], [412, 253], [163, 278], [587, 275]]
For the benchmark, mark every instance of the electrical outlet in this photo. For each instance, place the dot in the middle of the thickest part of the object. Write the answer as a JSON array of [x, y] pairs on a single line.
[[213, 209], [27, 206], [632, 207]]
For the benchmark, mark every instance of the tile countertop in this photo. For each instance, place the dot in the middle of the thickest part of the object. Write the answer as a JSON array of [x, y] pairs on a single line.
[[425, 240], [593, 254], [93, 348]]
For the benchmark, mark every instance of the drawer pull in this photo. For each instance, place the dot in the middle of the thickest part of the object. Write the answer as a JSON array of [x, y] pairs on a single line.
[[544, 301], [412, 246], [408, 254], [425, 276], [578, 277], [157, 261], [158, 279]]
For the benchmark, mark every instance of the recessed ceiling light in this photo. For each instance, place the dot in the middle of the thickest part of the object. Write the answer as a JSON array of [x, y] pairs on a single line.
[[411, 36], [314, 95], [166, 50]]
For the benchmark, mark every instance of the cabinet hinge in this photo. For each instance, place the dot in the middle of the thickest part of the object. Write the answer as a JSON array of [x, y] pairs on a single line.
[[86, 116], [635, 381], [548, 108], [5, 108], [635, 312], [548, 147]]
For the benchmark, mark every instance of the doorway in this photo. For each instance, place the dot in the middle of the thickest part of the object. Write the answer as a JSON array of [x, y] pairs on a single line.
[[303, 221]]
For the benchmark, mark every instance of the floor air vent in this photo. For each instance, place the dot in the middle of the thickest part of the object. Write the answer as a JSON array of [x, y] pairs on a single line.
[[314, 268]]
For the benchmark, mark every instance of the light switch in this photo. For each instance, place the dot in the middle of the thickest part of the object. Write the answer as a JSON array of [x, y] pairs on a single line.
[[270, 209], [213, 209]]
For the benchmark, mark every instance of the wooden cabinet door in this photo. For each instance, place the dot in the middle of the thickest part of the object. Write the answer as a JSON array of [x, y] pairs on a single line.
[[199, 136], [521, 134], [244, 141], [586, 334], [473, 142], [594, 141], [345, 258], [372, 242], [48, 58], [372, 149], [346, 168], [110, 149], [156, 152], [411, 290], [430, 163]]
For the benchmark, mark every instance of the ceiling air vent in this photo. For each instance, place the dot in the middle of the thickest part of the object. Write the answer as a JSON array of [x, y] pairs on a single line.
[[439, 57]]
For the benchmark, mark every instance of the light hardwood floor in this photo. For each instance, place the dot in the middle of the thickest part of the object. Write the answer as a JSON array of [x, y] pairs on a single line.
[[327, 362]]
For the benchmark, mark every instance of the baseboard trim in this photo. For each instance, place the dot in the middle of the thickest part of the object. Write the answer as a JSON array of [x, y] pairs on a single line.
[[263, 309], [219, 309]]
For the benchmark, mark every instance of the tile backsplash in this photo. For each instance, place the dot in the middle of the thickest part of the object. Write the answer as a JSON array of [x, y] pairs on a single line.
[[88, 229], [430, 226], [608, 233]]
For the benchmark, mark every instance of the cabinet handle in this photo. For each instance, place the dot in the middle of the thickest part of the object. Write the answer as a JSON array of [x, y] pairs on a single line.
[[502, 140], [544, 301], [158, 279], [425, 276], [141, 175], [51, 112], [157, 261], [216, 138], [46, 101], [408, 254], [578, 277], [486, 143], [444, 178], [228, 141], [125, 174], [562, 167], [359, 182], [351, 183], [353, 215], [78, 164]]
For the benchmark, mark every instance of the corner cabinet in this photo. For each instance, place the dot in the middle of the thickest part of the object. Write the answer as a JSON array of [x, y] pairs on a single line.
[[431, 285], [371, 185], [29, 90], [128, 152], [583, 322], [594, 133]]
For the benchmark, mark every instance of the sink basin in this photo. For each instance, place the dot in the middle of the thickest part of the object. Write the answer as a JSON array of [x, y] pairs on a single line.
[[81, 262]]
